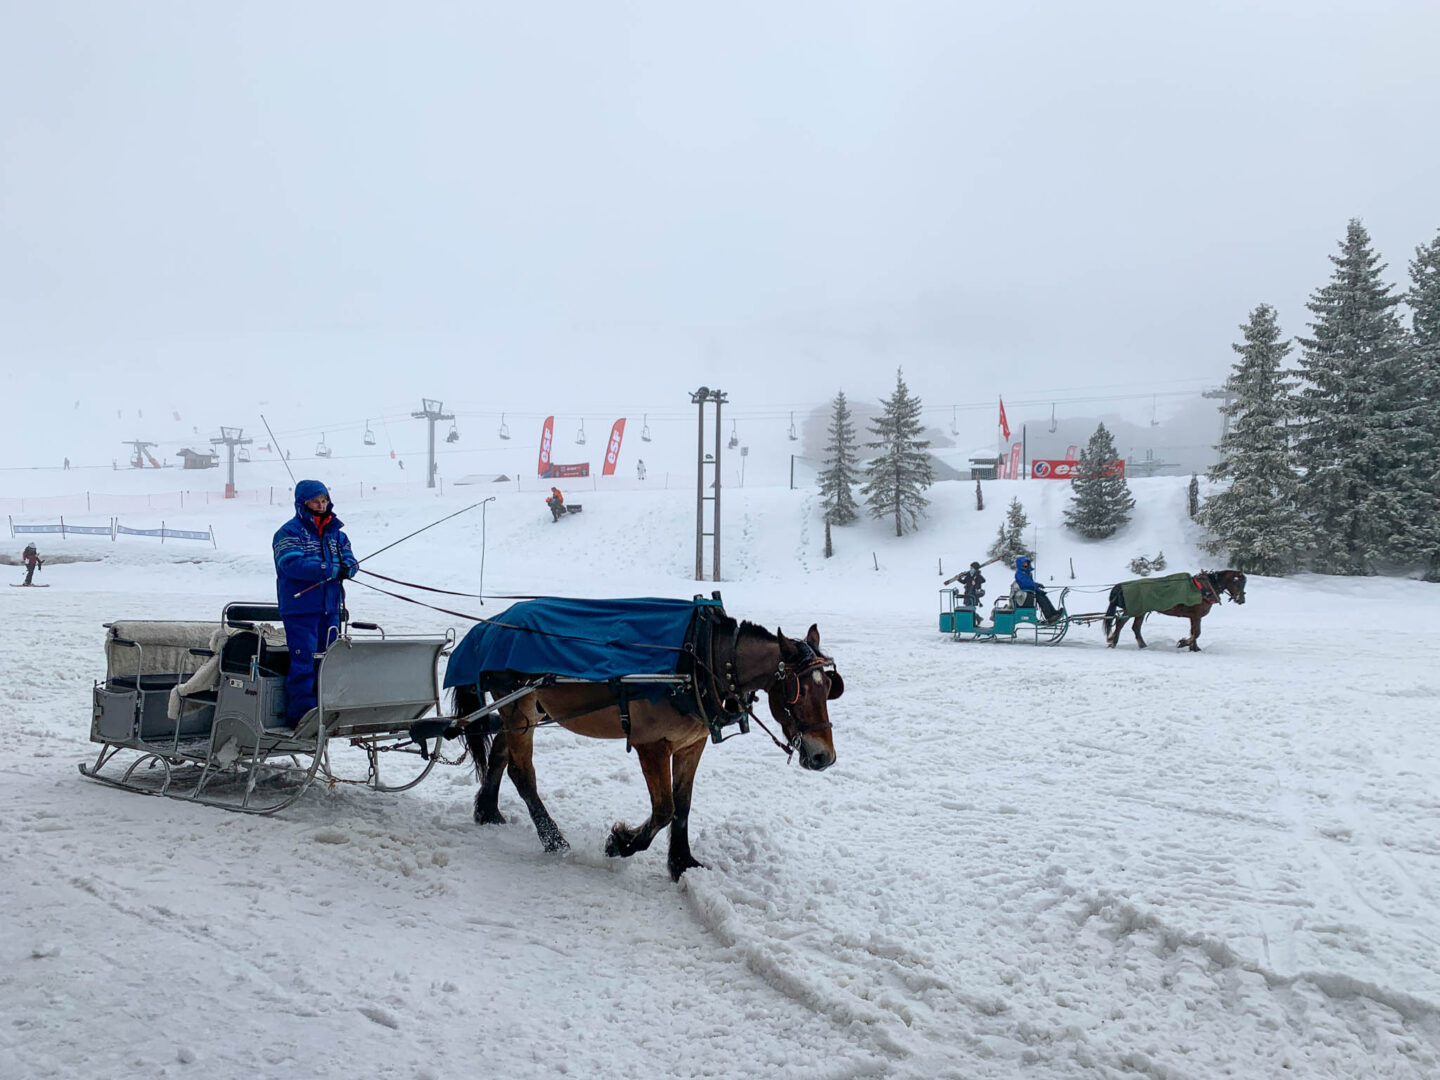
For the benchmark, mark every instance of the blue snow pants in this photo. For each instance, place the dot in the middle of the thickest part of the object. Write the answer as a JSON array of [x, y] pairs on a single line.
[[305, 635]]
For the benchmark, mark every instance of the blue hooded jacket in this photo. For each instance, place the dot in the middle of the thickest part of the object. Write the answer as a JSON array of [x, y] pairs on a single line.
[[1024, 567], [306, 553]]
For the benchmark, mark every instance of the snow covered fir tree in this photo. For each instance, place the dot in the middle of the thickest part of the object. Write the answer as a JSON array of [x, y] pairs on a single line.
[[1254, 522], [1100, 504], [1424, 301], [1009, 542], [1359, 436], [841, 472], [900, 471]]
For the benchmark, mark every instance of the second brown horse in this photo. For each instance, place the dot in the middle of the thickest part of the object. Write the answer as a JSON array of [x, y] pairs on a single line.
[[1211, 583]]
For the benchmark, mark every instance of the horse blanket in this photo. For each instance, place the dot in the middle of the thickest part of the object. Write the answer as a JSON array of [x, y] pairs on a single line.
[[1159, 594], [594, 640]]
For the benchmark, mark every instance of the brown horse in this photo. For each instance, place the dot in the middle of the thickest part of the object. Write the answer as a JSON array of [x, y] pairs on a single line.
[[1212, 584], [668, 735]]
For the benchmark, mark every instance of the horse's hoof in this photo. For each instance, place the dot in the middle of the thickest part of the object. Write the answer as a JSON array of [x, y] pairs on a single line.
[[619, 844], [677, 870], [493, 817]]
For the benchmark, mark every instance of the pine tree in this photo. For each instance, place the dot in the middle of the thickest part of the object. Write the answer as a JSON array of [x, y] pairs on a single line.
[[1358, 433], [1100, 504], [901, 470], [840, 473], [1009, 542], [1255, 522], [1424, 301]]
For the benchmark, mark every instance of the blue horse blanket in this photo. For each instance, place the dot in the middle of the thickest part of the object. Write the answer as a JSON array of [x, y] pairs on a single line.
[[595, 640]]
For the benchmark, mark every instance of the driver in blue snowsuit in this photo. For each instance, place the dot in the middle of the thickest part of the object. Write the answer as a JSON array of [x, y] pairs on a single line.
[[311, 549], [1027, 588]]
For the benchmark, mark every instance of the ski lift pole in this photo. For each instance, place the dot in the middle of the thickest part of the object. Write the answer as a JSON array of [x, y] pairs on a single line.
[[387, 547]]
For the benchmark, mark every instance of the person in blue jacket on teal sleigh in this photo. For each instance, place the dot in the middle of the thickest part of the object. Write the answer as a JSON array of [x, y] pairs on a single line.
[[312, 561], [1030, 592]]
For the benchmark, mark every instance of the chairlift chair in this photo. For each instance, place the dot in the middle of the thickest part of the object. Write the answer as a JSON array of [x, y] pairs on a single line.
[[794, 436], [645, 428], [454, 435], [580, 435], [244, 454], [321, 450], [369, 435], [954, 420], [1053, 424], [734, 438], [504, 427]]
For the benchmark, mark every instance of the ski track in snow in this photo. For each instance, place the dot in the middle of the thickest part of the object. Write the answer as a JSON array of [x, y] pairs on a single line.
[[1066, 862]]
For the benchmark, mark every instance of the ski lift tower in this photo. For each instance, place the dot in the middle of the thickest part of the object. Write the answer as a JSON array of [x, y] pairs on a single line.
[[1226, 396], [142, 451], [433, 411], [230, 438], [700, 398]]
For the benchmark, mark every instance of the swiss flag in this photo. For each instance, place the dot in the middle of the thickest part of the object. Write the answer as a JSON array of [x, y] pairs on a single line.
[[1004, 424]]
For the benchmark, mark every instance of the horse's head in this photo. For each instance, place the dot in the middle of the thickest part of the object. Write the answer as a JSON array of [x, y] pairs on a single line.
[[804, 683], [1233, 582]]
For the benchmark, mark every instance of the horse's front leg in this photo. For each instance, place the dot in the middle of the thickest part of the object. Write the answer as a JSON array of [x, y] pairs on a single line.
[[522, 774], [655, 762], [1193, 641], [684, 763], [1138, 639]]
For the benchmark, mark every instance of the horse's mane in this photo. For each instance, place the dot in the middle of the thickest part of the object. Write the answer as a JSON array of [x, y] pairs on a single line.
[[746, 626]]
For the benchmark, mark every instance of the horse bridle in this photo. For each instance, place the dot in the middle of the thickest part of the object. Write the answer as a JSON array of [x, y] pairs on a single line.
[[1211, 578], [789, 677]]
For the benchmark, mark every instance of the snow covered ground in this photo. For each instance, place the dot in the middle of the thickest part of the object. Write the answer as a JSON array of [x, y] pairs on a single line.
[[1064, 862]]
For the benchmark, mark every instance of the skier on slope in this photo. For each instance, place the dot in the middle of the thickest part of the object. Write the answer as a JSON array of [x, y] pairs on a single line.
[[32, 562]]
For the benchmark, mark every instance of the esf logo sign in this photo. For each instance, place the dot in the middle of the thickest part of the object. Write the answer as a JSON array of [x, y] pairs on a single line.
[[1042, 469]]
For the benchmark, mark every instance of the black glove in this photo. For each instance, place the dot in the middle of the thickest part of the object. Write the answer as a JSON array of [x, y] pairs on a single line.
[[343, 572]]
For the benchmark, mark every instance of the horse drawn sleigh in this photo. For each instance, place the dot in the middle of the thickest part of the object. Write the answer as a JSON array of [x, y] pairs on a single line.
[[1188, 596], [196, 711]]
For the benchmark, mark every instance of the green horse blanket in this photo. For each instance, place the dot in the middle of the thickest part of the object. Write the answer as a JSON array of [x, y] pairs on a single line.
[[1159, 594]]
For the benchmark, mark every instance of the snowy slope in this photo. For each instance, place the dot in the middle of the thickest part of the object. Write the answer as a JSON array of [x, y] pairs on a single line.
[[1067, 862]]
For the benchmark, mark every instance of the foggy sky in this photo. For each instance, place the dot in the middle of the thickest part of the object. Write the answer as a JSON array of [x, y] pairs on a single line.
[[343, 206]]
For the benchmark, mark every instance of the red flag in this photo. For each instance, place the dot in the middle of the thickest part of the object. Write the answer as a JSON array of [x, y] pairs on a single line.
[[613, 450], [1070, 453], [1004, 424], [547, 435], [1015, 461]]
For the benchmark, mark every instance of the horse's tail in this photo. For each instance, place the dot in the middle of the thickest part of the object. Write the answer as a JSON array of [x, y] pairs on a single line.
[[466, 699], [1117, 601]]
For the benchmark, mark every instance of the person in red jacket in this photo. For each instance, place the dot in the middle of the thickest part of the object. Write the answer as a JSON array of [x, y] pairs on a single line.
[[32, 562], [556, 502]]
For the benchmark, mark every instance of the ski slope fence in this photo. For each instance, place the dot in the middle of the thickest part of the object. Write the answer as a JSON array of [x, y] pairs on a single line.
[[112, 530]]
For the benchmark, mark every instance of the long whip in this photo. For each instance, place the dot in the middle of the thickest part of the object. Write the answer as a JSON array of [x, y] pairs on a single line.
[[387, 547], [276, 443]]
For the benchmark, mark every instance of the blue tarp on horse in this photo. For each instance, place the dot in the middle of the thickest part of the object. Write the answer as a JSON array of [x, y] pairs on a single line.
[[581, 639]]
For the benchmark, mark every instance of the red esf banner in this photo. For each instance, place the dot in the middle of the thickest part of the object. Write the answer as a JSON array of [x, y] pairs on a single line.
[[1050, 469], [547, 436], [556, 471], [612, 451]]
